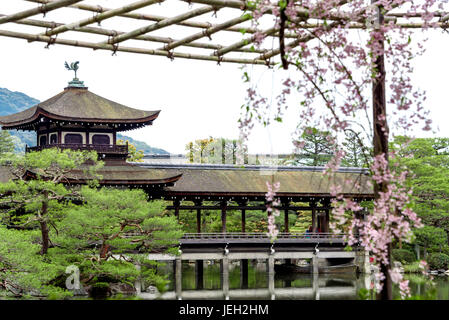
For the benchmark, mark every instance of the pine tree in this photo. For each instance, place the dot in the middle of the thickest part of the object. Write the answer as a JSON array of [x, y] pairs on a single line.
[[6, 142], [357, 153], [316, 149]]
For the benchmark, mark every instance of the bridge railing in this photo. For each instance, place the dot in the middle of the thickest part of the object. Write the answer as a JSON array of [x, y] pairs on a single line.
[[261, 235]]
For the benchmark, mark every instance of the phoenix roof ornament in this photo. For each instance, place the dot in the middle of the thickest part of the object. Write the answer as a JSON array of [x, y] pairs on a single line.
[[73, 66], [75, 83]]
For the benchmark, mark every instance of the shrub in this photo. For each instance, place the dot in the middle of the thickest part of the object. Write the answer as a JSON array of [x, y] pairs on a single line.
[[403, 255], [438, 261]]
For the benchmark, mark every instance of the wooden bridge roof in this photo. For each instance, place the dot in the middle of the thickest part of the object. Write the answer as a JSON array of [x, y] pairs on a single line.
[[251, 180], [79, 105], [218, 180]]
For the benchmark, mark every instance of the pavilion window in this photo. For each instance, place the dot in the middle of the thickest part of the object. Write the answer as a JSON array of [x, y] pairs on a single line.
[[53, 138], [101, 139], [73, 138], [43, 140]]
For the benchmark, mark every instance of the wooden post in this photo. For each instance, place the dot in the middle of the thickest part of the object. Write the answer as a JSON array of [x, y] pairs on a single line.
[[313, 206], [198, 215], [176, 204], [198, 220], [326, 204], [243, 220], [286, 204], [223, 216]]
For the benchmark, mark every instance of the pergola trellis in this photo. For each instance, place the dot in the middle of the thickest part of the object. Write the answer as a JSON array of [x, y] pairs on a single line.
[[170, 46]]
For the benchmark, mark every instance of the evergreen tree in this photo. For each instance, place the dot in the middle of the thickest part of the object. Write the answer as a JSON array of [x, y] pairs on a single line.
[[357, 153], [316, 149], [37, 196], [427, 163], [6, 142]]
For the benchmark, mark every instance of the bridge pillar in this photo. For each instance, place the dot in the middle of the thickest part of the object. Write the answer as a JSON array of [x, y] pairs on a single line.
[[199, 268], [224, 266], [315, 264], [270, 262], [178, 278], [244, 273], [316, 287]]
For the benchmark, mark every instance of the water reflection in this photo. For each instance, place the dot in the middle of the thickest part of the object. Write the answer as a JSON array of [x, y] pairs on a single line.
[[255, 283]]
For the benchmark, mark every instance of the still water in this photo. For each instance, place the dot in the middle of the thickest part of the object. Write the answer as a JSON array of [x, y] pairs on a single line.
[[259, 285]]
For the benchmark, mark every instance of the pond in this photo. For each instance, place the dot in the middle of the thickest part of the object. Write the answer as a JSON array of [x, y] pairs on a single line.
[[259, 285]]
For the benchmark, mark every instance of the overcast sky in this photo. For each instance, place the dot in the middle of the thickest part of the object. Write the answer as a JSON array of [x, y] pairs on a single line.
[[197, 98]]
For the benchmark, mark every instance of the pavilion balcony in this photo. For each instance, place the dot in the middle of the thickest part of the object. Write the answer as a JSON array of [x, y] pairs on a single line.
[[99, 148]]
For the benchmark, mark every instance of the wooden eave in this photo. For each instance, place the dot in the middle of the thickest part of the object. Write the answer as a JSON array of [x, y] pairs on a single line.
[[41, 112]]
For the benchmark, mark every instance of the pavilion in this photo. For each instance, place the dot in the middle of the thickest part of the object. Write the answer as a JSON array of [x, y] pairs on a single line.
[[81, 120]]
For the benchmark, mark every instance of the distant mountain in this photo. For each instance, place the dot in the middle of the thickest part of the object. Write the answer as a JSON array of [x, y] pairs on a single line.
[[142, 145], [12, 102]]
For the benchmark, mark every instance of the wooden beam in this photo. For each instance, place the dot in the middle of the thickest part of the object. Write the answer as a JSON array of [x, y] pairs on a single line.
[[242, 43], [208, 32], [247, 6], [100, 17], [109, 47], [261, 207], [41, 9], [161, 24], [112, 33]]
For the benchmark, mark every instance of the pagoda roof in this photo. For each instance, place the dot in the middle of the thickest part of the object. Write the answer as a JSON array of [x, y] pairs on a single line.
[[79, 105]]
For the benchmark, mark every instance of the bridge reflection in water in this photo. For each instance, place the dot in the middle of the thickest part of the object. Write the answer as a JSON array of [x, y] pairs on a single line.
[[232, 249]]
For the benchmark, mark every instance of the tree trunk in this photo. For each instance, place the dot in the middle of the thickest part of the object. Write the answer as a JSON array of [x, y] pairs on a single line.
[[45, 237], [44, 226], [380, 144], [104, 250]]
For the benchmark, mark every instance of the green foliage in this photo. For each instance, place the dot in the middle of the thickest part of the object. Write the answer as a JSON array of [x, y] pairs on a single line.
[[317, 150], [214, 150], [118, 223], [429, 237], [122, 219], [134, 155], [413, 267], [427, 160], [6, 143], [403, 255], [40, 201], [357, 153], [22, 269], [438, 261]]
